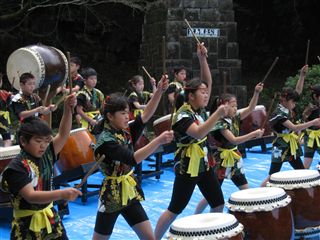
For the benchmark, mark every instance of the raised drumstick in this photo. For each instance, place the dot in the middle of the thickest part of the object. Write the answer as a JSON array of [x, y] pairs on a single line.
[[307, 52], [46, 96], [270, 69], [146, 72], [193, 33], [269, 110]]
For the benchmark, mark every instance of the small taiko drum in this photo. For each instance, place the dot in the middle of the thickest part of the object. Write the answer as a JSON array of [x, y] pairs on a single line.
[[162, 124], [6, 155], [48, 64], [264, 212], [255, 121], [206, 226], [77, 150], [304, 188]]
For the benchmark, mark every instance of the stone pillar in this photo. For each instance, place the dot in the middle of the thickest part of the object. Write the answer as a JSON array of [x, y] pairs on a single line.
[[167, 19]]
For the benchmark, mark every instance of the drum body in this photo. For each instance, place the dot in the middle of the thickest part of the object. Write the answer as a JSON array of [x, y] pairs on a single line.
[[162, 124], [6, 155], [304, 188], [206, 226], [77, 150], [255, 121], [264, 212], [48, 64]]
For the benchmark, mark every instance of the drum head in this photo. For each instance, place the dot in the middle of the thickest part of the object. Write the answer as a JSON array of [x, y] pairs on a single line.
[[162, 119], [293, 179], [217, 225], [258, 199]]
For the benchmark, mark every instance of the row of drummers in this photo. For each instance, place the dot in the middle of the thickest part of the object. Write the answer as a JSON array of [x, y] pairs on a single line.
[[288, 208]]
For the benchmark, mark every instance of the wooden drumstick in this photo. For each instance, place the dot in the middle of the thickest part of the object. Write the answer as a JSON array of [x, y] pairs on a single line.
[[146, 72], [307, 52], [92, 169], [192, 31], [70, 77], [46, 96], [269, 110], [164, 70], [270, 69]]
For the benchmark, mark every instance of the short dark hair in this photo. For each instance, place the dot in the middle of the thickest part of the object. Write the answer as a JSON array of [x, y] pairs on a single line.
[[178, 69], [88, 72], [25, 77], [115, 102], [192, 86], [75, 60], [289, 94], [33, 126]]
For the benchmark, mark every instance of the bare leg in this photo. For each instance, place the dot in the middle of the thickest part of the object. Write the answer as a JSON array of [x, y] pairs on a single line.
[[7, 143], [163, 223], [264, 183], [201, 206], [307, 162], [98, 236], [144, 230], [217, 209]]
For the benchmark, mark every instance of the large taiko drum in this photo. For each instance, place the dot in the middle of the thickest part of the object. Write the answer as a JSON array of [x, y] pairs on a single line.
[[6, 155], [206, 226], [255, 121], [142, 141], [304, 188], [48, 64], [264, 212], [162, 124], [77, 150]]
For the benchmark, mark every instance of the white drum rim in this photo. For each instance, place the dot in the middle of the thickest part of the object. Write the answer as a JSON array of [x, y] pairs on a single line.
[[73, 131], [40, 76], [261, 199], [162, 119], [217, 225], [9, 152], [293, 179]]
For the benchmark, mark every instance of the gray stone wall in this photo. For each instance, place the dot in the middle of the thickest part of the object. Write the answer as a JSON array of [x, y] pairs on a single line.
[[167, 19]]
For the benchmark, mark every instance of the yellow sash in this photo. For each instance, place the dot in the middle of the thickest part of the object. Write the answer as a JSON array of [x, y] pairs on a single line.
[[136, 112], [39, 220], [314, 135], [228, 156], [293, 139], [91, 115], [127, 184], [195, 153], [5, 115]]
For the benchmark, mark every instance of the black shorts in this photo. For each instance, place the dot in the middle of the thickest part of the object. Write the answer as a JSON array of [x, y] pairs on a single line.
[[276, 166], [133, 214], [184, 185]]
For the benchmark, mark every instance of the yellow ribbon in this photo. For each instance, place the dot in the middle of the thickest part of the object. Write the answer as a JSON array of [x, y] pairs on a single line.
[[228, 156], [127, 184], [195, 153], [39, 220], [91, 115], [293, 139], [314, 135], [6, 115], [136, 112]]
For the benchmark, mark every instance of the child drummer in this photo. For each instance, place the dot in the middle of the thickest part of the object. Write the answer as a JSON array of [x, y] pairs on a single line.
[[28, 178]]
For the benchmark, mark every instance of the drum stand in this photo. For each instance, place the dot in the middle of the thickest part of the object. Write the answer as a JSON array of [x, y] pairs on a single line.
[[72, 175]]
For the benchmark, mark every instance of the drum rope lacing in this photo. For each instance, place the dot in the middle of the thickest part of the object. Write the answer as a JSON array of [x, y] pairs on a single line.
[[261, 202], [299, 181], [204, 232]]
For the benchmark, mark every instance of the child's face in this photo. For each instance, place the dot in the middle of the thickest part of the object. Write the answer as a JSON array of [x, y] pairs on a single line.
[[91, 81], [233, 107], [139, 86], [120, 119], [181, 76], [37, 145], [28, 87], [290, 104], [201, 97], [74, 67]]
